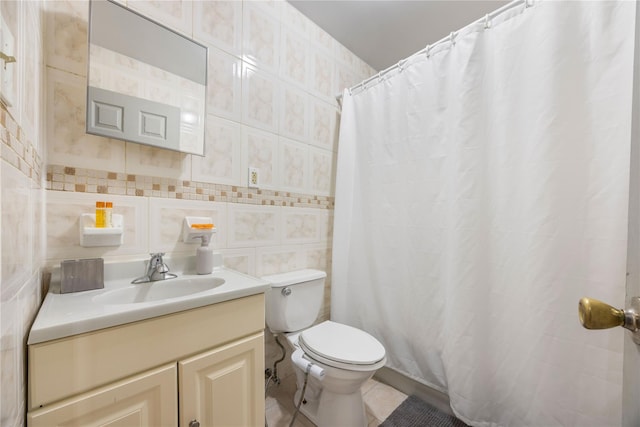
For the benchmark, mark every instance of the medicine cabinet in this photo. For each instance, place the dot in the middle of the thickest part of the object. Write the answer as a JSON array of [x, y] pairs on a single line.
[[146, 82]]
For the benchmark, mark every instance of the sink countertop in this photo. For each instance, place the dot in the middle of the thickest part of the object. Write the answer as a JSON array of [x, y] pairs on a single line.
[[64, 315]]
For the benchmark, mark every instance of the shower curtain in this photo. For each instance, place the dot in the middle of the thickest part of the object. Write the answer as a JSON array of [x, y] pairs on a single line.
[[482, 189]]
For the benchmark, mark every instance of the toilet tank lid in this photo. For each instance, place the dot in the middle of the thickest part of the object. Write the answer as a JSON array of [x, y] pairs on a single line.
[[293, 277]]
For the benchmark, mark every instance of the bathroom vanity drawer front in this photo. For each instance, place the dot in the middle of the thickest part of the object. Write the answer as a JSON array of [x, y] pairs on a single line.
[[69, 366]]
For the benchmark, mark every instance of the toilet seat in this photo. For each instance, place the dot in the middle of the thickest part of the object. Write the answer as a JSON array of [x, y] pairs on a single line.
[[342, 346]]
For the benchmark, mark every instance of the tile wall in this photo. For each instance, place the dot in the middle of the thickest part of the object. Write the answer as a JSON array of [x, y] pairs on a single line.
[[22, 195], [272, 80]]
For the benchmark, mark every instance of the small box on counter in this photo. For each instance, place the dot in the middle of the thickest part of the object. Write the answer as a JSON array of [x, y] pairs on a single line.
[[77, 275]]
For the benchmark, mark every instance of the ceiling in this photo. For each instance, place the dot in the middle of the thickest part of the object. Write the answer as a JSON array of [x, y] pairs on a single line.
[[382, 32]]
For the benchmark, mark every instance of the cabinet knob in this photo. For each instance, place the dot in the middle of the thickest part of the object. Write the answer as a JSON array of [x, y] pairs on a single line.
[[194, 423]]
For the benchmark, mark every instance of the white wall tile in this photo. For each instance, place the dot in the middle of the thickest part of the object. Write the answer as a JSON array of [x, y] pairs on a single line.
[[222, 150], [295, 19], [31, 74], [253, 226], [2, 166], [39, 239], [321, 171], [294, 113], [67, 141], [260, 99], [242, 260], [323, 125], [278, 259], [153, 161], [344, 78], [260, 150], [63, 217], [261, 38], [14, 19], [66, 35], [166, 218], [300, 225], [11, 360], [322, 75], [293, 159], [224, 84], [316, 256], [219, 23], [271, 7], [294, 61], [29, 301], [17, 230], [326, 226]]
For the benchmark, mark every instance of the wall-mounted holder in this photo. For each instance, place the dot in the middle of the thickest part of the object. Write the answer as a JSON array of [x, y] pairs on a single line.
[[194, 227], [91, 236]]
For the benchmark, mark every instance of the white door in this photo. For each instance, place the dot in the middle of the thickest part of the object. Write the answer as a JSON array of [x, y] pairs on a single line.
[[631, 364], [602, 316]]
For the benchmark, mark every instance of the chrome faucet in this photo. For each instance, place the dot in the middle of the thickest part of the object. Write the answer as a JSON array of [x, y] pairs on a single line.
[[156, 270]]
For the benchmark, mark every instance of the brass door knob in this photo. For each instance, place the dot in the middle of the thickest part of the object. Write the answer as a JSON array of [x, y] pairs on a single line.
[[596, 314]]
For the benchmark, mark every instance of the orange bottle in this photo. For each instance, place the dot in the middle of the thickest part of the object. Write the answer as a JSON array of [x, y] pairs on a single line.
[[100, 215]]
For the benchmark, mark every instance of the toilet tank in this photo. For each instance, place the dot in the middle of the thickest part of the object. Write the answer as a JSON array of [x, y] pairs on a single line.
[[293, 302]]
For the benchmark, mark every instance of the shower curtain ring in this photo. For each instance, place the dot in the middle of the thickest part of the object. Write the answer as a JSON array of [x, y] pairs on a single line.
[[427, 50], [452, 38], [487, 22]]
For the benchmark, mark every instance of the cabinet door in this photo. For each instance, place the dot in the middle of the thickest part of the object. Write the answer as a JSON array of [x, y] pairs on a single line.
[[225, 386], [148, 399]]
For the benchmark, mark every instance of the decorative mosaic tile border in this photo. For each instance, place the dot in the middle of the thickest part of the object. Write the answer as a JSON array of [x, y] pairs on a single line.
[[18, 150], [63, 178]]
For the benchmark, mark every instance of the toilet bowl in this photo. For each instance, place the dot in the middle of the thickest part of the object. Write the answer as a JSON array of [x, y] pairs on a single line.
[[348, 357], [343, 357]]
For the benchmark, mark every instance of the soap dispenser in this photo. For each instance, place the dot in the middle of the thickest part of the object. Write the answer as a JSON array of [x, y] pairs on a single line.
[[204, 256]]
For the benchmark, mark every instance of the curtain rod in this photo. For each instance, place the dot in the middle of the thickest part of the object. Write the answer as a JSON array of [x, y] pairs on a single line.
[[450, 38]]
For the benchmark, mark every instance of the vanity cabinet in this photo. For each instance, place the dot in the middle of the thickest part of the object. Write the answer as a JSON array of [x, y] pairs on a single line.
[[204, 364]]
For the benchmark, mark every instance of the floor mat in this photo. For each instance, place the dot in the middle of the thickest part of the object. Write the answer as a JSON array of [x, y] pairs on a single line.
[[414, 412]]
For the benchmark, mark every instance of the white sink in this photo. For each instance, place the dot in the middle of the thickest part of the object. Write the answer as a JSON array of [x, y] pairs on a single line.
[[160, 290], [121, 302]]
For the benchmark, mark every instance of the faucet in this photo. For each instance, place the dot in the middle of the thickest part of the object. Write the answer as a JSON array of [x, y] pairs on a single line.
[[156, 270]]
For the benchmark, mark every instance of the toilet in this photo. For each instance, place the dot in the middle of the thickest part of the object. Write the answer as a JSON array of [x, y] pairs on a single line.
[[338, 358]]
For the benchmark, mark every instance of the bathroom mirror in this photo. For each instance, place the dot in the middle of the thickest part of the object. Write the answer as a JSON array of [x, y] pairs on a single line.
[[146, 83]]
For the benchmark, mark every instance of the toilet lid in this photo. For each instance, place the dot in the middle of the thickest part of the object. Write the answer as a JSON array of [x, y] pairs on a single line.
[[341, 343]]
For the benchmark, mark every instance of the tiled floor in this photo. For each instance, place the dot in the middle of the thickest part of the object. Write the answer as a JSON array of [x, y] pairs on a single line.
[[379, 400]]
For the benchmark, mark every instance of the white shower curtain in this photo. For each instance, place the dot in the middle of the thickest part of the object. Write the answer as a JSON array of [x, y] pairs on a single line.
[[481, 191]]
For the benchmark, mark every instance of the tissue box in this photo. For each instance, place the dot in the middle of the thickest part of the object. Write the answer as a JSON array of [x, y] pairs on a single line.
[[77, 275]]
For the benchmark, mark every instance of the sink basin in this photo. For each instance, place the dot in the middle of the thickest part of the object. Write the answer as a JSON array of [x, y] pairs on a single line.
[[160, 290]]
